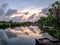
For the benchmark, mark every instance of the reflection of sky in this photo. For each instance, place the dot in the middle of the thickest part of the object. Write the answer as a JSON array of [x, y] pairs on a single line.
[[22, 35], [16, 4]]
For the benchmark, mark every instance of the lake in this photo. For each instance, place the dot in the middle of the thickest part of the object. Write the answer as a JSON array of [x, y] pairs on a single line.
[[21, 35]]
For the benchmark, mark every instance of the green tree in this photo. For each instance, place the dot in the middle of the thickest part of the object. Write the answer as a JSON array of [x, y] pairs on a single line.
[[55, 10], [51, 24]]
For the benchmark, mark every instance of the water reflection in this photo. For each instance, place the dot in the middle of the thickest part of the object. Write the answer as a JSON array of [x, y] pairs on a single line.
[[22, 35], [32, 31]]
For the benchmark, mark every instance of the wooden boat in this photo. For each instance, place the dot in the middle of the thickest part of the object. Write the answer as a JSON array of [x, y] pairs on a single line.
[[46, 41]]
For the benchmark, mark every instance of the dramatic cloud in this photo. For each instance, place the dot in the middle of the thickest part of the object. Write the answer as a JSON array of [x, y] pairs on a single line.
[[25, 15], [21, 15]]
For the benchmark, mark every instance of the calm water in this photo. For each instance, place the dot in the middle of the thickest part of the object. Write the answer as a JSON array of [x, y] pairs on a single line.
[[21, 35]]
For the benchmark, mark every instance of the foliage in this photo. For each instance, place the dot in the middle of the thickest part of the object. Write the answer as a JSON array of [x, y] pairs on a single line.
[[55, 10], [51, 23]]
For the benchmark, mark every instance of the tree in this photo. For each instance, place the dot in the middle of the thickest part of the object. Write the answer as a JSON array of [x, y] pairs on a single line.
[[55, 10], [51, 23]]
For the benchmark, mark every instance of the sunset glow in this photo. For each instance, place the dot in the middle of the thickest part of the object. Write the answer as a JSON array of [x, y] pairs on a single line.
[[29, 11]]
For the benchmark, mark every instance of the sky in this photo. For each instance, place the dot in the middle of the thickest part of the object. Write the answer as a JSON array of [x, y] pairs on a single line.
[[23, 10], [20, 4]]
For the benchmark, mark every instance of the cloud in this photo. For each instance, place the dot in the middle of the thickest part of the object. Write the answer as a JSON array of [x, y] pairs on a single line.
[[45, 10], [10, 12], [31, 17], [57, 0], [21, 15], [5, 5], [3, 9], [1, 12], [26, 14]]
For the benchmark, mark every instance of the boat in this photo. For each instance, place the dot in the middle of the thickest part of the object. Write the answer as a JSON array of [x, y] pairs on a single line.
[[46, 41]]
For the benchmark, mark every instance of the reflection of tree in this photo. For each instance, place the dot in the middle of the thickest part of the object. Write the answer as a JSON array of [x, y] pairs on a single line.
[[4, 24]]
